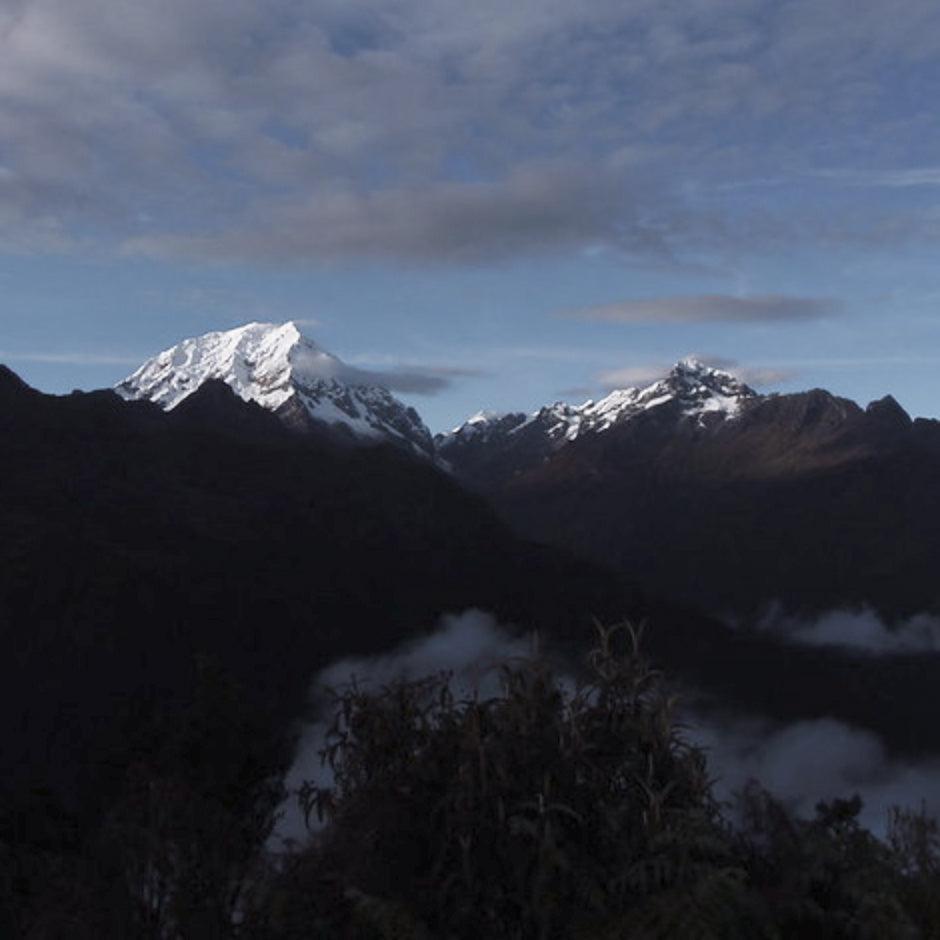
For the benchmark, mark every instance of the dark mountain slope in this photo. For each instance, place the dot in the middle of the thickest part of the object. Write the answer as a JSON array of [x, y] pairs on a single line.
[[807, 500], [136, 541]]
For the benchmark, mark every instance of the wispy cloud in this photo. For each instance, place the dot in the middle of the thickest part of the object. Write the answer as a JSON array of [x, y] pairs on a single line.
[[72, 358], [534, 209], [705, 308], [577, 392], [630, 376], [762, 376], [860, 630], [411, 379], [647, 373], [893, 179], [812, 760]]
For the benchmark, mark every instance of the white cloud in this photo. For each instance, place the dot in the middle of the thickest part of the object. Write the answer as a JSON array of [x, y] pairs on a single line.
[[708, 308], [630, 376], [471, 645], [76, 358], [893, 179], [862, 630], [805, 762], [646, 373]]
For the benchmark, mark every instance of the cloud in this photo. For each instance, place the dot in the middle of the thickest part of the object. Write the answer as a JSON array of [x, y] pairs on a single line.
[[800, 763], [414, 380], [757, 375], [277, 131], [893, 179], [577, 392], [808, 761], [71, 358], [535, 209], [862, 631], [647, 373], [709, 308], [407, 378], [470, 644], [630, 376]]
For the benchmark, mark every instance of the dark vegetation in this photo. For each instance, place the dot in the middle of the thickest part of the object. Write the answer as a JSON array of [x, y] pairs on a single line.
[[543, 812], [169, 583]]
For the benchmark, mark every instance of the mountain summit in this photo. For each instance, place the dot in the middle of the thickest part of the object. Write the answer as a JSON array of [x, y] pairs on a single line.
[[691, 394], [282, 370]]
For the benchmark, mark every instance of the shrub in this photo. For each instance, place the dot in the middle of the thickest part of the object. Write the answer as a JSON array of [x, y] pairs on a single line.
[[549, 810]]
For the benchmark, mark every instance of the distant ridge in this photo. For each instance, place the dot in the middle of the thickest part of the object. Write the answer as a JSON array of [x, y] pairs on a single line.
[[489, 447]]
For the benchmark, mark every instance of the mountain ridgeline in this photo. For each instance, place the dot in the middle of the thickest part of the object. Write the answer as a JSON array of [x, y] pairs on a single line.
[[232, 519], [138, 543], [725, 499], [695, 486]]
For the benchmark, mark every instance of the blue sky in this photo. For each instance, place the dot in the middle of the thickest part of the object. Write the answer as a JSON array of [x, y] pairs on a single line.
[[531, 201]]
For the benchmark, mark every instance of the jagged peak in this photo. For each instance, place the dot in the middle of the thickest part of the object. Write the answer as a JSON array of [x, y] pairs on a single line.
[[702, 392], [889, 411], [10, 380]]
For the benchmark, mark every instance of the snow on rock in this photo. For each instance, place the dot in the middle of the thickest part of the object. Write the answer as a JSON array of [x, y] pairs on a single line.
[[702, 394], [282, 370]]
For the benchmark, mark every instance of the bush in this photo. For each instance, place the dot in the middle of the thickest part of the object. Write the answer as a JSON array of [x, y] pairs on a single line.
[[546, 811]]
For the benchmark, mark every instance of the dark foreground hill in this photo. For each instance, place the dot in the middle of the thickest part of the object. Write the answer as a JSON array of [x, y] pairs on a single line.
[[136, 542]]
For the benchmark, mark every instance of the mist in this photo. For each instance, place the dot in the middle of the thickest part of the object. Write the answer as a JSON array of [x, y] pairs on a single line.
[[800, 763], [805, 762], [859, 630], [470, 646]]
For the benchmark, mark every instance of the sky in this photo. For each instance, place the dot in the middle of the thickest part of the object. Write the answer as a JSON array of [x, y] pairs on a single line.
[[525, 202]]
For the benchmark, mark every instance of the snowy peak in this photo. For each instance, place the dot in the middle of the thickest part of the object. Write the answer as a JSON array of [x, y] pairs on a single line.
[[483, 425], [255, 360], [699, 389], [282, 370], [701, 393]]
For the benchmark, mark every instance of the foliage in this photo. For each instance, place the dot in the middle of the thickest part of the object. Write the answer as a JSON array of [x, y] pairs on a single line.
[[178, 852], [914, 839], [826, 877], [559, 811], [542, 812], [549, 810]]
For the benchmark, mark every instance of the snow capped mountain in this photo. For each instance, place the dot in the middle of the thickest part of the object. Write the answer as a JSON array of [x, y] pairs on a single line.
[[701, 393], [490, 447], [282, 370]]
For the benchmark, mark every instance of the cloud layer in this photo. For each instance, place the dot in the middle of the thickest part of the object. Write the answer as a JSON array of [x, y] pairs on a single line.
[[862, 631], [809, 761], [445, 132], [800, 763], [646, 373], [470, 645], [709, 308]]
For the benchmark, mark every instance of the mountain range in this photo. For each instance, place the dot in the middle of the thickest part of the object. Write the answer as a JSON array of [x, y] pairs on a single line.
[[231, 518], [694, 485]]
